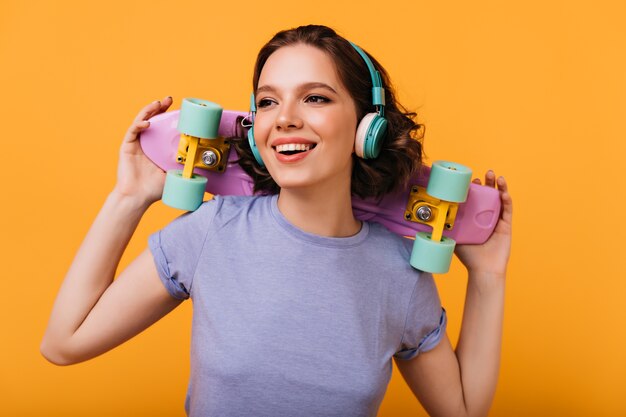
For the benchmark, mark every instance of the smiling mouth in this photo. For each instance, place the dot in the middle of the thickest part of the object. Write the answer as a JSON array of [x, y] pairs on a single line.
[[294, 148]]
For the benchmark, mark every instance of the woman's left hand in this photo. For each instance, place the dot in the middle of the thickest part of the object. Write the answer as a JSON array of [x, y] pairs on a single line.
[[492, 256]]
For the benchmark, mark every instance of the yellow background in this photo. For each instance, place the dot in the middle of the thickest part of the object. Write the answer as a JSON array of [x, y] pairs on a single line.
[[535, 90]]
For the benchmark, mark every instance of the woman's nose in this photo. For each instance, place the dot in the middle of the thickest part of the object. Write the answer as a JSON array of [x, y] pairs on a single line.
[[288, 118]]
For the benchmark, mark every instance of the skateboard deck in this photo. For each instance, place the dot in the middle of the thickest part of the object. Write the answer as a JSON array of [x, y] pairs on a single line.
[[472, 223]]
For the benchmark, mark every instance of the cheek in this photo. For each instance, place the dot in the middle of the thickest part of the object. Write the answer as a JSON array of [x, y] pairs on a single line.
[[261, 129], [346, 130], [335, 125]]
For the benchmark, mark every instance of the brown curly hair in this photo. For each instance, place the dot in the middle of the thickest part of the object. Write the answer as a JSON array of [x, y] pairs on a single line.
[[401, 153]]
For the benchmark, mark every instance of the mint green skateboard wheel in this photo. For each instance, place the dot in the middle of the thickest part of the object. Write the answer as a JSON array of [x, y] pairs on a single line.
[[432, 256], [183, 193], [199, 118], [449, 181]]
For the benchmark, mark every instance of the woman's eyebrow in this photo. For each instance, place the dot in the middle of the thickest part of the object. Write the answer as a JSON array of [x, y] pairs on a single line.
[[305, 86]]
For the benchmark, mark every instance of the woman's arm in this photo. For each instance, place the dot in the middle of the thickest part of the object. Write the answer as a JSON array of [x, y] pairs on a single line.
[[93, 313], [463, 382]]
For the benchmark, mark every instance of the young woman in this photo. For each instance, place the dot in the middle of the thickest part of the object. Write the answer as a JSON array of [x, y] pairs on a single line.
[[299, 307]]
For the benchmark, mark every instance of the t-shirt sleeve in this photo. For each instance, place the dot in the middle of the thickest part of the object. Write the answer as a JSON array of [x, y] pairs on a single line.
[[176, 249], [425, 323]]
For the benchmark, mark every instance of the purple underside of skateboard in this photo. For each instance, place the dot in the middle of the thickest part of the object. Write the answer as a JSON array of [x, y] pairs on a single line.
[[475, 220]]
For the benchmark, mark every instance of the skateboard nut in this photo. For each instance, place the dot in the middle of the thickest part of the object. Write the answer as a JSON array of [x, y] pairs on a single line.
[[209, 158], [424, 213]]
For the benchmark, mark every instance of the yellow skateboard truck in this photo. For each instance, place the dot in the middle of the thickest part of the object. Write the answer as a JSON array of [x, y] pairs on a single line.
[[434, 212], [437, 207], [208, 154], [198, 125]]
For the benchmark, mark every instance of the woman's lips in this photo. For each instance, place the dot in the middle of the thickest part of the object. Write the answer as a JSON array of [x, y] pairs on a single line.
[[288, 155], [286, 158]]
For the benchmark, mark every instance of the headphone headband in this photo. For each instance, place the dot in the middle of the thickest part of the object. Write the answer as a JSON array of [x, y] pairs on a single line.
[[378, 92]]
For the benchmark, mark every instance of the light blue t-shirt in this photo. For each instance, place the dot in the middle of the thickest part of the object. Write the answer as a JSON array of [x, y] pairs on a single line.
[[287, 323]]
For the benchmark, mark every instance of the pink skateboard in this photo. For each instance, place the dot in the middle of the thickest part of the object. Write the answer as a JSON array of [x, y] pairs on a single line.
[[405, 212]]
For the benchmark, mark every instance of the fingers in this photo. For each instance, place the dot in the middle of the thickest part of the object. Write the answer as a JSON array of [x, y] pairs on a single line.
[[154, 108], [141, 121], [165, 104], [133, 131], [507, 201], [490, 179], [148, 111], [502, 185], [503, 188]]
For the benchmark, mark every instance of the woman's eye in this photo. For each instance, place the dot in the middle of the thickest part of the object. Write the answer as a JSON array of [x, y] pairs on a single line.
[[317, 99], [264, 102]]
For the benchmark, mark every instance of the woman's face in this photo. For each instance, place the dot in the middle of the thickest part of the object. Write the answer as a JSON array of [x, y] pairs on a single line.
[[306, 120]]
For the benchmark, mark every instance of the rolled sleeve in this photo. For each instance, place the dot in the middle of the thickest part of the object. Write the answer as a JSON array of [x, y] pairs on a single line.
[[426, 320], [177, 248], [176, 288]]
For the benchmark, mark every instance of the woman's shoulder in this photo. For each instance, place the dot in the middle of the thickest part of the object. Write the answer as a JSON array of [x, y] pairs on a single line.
[[221, 208], [381, 236], [221, 205], [392, 254], [237, 202]]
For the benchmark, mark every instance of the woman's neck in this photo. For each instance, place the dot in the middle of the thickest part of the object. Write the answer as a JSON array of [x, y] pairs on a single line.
[[320, 211]]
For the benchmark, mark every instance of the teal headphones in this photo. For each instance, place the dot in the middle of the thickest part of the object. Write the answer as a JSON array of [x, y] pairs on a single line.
[[371, 130]]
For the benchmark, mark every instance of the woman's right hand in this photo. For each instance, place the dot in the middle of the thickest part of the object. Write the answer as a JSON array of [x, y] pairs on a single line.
[[138, 178]]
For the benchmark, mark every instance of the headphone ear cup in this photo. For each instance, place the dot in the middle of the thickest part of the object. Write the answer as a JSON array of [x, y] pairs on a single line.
[[370, 136], [253, 147]]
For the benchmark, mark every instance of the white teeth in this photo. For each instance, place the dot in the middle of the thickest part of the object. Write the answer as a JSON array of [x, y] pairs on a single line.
[[293, 147]]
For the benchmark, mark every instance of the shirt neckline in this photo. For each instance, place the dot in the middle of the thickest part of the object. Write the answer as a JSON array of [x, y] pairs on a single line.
[[336, 242]]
